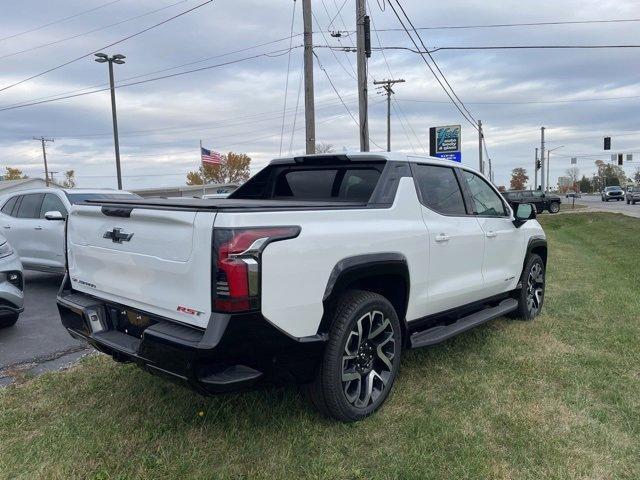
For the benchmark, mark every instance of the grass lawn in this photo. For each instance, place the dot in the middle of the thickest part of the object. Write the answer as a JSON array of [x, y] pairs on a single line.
[[555, 398]]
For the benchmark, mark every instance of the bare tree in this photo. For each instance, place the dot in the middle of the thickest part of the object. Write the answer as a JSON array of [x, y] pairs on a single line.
[[573, 174], [324, 148]]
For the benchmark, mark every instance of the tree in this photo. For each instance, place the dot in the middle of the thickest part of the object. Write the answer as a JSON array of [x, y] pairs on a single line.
[[519, 178], [324, 148], [13, 174], [636, 174], [235, 168], [573, 174], [610, 174], [69, 179], [585, 185]]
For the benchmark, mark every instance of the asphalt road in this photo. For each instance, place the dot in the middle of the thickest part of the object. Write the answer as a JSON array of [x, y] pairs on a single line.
[[595, 202], [38, 335]]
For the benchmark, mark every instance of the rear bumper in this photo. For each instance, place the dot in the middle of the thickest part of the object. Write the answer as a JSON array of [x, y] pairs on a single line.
[[235, 352]]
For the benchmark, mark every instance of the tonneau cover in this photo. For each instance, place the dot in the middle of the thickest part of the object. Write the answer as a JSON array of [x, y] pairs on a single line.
[[219, 204]]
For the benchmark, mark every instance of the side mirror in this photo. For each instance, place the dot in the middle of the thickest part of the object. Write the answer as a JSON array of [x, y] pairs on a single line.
[[54, 215], [523, 213]]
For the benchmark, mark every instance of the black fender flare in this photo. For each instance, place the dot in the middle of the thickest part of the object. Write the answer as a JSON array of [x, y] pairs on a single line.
[[537, 244], [360, 267]]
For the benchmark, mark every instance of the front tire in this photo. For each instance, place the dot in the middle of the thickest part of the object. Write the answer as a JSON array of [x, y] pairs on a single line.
[[9, 321], [361, 360], [531, 295], [554, 207]]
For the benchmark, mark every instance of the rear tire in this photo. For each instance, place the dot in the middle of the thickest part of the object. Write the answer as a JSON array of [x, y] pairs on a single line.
[[361, 359], [554, 207], [531, 296], [9, 320]]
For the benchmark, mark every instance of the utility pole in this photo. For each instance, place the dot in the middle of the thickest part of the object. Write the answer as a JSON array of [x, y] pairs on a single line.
[[44, 156], [543, 183], [535, 171], [118, 59], [490, 170], [480, 160], [363, 33], [548, 167], [387, 87], [309, 103]]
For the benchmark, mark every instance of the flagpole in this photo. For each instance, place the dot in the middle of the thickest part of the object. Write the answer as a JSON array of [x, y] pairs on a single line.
[[203, 191]]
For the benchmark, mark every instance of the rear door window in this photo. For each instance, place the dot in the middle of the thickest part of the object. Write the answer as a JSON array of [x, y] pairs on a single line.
[[439, 189], [30, 205]]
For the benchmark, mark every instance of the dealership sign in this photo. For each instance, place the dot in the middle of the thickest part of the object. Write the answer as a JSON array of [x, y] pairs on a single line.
[[445, 142]]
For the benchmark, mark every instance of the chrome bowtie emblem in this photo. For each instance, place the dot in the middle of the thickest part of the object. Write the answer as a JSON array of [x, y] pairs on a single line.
[[116, 235]]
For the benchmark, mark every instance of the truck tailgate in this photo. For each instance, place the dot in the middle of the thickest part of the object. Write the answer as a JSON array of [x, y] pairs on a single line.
[[144, 261]]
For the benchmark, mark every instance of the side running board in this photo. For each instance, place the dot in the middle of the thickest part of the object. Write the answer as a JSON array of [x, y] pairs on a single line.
[[435, 335]]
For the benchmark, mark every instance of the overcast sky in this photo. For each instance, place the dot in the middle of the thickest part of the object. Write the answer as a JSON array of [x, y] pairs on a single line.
[[239, 106]]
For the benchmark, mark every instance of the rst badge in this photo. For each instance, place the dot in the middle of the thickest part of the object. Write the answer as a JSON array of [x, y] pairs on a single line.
[[189, 311]]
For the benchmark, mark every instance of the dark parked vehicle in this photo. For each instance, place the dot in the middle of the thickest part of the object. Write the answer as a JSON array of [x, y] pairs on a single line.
[[612, 193], [573, 194], [633, 195], [542, 201]]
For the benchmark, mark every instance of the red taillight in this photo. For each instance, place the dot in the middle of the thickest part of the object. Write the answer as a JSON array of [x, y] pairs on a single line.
[[236, 275]]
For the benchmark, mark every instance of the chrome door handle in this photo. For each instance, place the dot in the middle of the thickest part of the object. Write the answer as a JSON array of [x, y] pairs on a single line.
[[37, 228], [442, 238], [491, 234]]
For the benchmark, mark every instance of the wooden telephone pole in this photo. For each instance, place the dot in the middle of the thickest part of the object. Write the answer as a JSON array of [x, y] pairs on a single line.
[[44, 156], [387, 87]]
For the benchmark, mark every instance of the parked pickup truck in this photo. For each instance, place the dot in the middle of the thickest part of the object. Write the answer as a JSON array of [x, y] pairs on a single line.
[[320, 270]]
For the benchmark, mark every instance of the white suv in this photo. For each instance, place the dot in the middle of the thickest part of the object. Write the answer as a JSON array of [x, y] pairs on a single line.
[[33, 222]]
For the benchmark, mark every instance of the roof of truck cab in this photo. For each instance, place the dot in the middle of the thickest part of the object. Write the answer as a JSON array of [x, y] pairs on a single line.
[[371, 156]]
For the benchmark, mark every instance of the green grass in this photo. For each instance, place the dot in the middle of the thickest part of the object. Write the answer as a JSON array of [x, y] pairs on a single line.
[[555, 398]]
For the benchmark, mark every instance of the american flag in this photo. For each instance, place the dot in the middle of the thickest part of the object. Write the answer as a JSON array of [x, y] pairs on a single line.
[[210, 158]]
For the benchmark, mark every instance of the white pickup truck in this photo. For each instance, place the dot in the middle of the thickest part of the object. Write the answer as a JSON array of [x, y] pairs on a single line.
[[320, 270]]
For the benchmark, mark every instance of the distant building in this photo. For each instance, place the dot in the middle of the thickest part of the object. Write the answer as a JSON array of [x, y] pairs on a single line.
[[185, 190], [10, 186], [564, 182]]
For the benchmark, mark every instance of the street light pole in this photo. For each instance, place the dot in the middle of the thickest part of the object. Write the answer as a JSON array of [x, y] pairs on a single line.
[[119, 59], [548, 163]]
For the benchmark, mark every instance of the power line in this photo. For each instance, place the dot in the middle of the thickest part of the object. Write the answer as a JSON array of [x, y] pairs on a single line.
[[158, 71], [286, 85], [62, 40], [471, 120], [533, 102], [396, 106], [502, 47], [271, 55], [507, 25], [315, 19], [128, 37], [35, 29], [339, 96]]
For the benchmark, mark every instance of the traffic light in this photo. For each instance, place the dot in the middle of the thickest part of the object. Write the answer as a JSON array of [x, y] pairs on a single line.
[[620, 159], [538, 165], [607, 143]]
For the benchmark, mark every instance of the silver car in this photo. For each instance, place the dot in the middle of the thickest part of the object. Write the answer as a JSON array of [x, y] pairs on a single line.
[[33, 221], [11, 285]]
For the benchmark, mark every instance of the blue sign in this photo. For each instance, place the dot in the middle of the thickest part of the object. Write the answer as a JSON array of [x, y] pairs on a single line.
[[446, 142], [454, 157]]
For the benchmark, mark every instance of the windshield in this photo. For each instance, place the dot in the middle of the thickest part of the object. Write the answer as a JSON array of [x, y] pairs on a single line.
[[81, 197], [612, 189]]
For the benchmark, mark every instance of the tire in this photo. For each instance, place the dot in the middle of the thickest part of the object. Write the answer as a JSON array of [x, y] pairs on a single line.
[[372, 363], [628, 202], [539, 209], [633, 202], [531, 296], [9, 320], [554, 207]]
